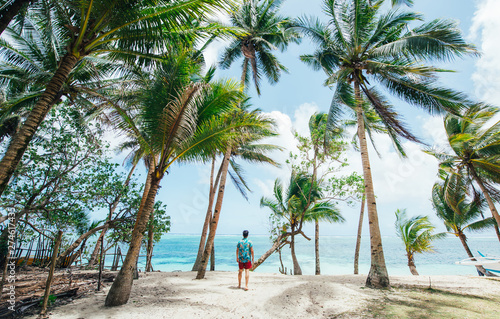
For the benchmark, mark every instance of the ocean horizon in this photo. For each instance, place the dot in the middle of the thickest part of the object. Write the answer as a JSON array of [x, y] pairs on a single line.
[[177, 252]]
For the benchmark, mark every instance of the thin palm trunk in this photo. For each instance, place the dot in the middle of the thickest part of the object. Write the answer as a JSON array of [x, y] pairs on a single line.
[[316, 246], [149, 250], [491, 205], [204, 232], [296, 266], [358, 238], [463, 240], [212, 258], [21, 140], [115, 203], [215, 218], [119, 292], [378, 276]]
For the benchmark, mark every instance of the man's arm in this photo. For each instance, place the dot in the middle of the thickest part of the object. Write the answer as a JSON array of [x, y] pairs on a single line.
[[237, 254], [251, 250]]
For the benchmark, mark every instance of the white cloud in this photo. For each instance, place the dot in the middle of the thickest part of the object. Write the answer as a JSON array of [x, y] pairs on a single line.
[[486, 27]]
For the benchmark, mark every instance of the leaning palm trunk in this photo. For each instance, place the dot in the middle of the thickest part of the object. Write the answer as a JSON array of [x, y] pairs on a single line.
[[211, 197], [316, 246], [119, 292], [21, 140], [215, 219], [277, 244], [463, 240], [377, 277], [491, 205], [358, 238], [115, 203], [296, 266]]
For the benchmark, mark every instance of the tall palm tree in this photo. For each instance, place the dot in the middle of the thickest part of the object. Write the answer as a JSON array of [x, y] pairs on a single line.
[[180, 121], [323, 211], [360, 46], [417, 235], [465, 215], [130, 31], [265, 31], [475, 161]]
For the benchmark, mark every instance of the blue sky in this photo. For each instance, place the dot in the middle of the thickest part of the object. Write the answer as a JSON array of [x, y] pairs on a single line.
[[398, 183]]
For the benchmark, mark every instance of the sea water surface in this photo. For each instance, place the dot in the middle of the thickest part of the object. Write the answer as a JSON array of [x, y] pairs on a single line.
[[177, 252]]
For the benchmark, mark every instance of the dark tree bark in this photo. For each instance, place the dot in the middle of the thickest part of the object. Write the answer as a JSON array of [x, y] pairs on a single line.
[[316, 246], [7, 14], [358, 238]]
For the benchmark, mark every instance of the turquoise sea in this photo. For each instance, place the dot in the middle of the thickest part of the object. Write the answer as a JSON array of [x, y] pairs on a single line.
[[176, 252]]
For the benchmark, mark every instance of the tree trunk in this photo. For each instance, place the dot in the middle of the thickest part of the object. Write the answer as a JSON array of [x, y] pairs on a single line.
[[497, 231], [491, 205], [411, 264], [51, 273], [463, 239], [316, 246], [7, 14], [115, 203], [296, 267], [149, 250], [215, 219], [212, 258], [204, 231], [119, 292], [378, 276], [21, 140], [271, 250], [358, 238]]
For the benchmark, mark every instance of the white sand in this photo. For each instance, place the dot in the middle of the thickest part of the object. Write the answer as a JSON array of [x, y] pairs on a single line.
[[179, 295]]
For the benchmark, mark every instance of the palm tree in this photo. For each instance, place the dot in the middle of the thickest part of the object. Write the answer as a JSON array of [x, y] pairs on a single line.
[[323, 211], [265, 31], [243, 144], [130, 31], [474, 161], [180, 121], [9, 10], [290, 206], [417, 235], [465, 215], [359, 46]]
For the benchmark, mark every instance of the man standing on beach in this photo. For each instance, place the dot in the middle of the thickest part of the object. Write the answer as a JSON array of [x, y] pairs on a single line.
[[243, 251]]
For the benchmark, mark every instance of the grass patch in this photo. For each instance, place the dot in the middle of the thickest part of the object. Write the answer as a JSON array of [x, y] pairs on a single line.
[[434, 303]]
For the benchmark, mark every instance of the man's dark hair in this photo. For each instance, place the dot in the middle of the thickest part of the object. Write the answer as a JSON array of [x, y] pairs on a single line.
[[245, 233]]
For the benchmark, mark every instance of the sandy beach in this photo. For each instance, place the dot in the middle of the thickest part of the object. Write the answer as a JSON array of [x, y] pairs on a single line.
[[179, 295]]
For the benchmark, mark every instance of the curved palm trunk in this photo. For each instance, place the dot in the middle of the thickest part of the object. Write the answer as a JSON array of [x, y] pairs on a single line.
[[204, 231], [316, 246], [411, 264], [296, 266], [358, 238], [378, 276], [119, 292], [115, 203], [215, 220], [21, 140], [491, 205], [463, 240]]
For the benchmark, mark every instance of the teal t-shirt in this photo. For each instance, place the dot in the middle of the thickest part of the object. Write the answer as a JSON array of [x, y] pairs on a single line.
[[244, 254]]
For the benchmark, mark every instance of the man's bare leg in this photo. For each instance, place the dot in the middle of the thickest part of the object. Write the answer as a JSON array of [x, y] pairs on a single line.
[[247, 276], [240, 272]]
